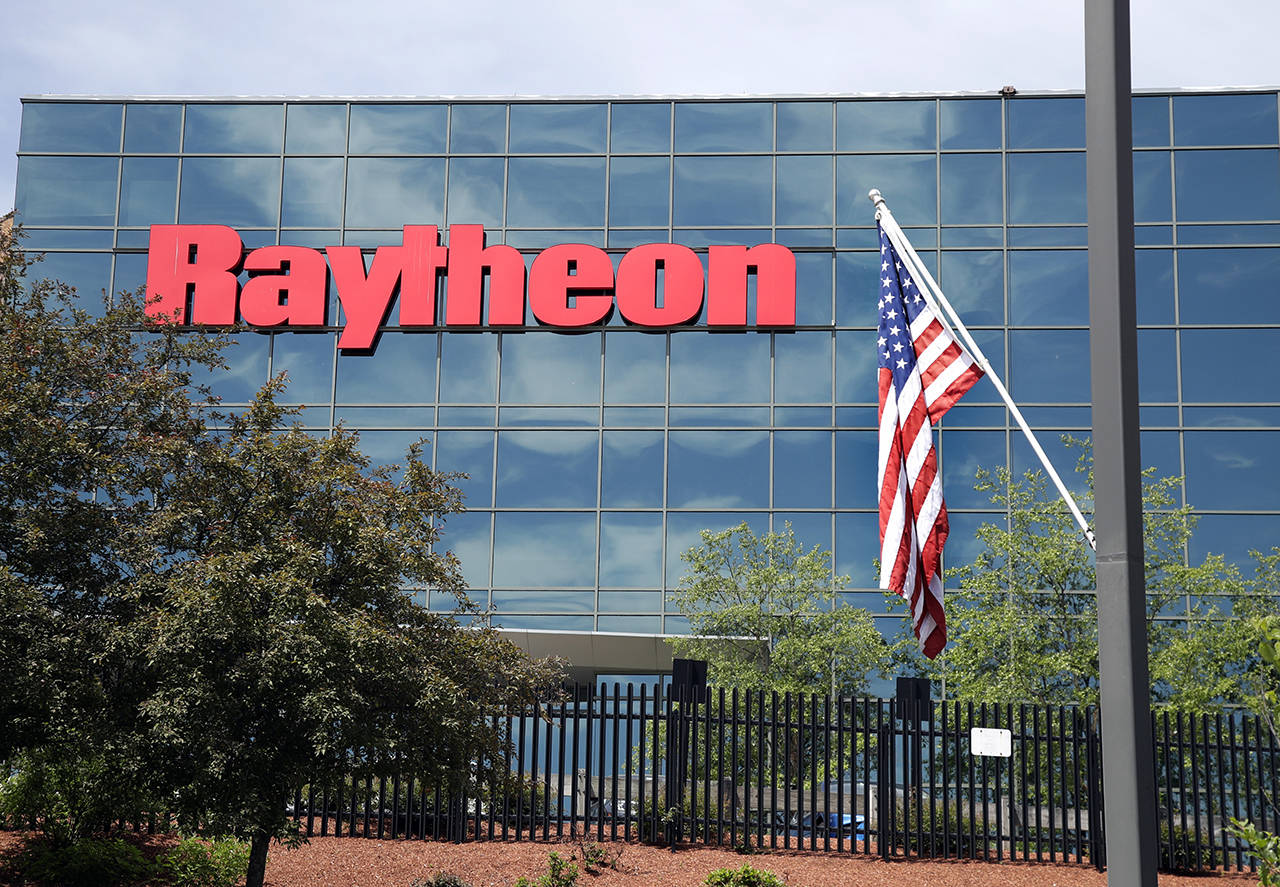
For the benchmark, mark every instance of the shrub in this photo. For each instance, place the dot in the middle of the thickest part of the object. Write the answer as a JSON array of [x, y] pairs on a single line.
[[440, 879], [743, 877], [561, 872], [193, 862], [680, 817], [949, 836], [68, 796], [597, 857], [1263, 846], [92, 862], [1185, 855]]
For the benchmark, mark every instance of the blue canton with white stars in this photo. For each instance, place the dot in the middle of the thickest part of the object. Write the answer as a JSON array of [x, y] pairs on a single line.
[[900, 304]]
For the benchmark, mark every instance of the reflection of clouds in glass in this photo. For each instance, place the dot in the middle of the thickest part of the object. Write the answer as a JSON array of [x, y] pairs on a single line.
[[312, 191], [804, 191], [390, 192], [1049, 287], [546, 468], [631, 550], [562, 127], [879, 126], [66, 190], [635, 368], [802, 368], [241, 129], [718, 469], [230, 191], [468, 368], [710, 368], [541, 550], [562, 192], [475, 190], [397, 129], [724, 126], [723, 191], [320, 129], [1046, 188], [551, 368], [683, 533], [467, 536]]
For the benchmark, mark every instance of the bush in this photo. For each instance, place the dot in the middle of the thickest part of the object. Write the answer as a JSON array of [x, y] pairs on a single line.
[[92, 862], [440, 879], [947, 840], [1185, 855], [1263, 846], [743, 877], [67, 796], [561, 872], [597, 857], [680, 817], [221, 862]]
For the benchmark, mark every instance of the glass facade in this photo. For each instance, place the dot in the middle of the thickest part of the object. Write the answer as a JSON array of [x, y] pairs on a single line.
[[595, 457]]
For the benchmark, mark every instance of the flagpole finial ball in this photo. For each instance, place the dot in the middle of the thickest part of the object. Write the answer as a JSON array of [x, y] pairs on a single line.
[[875, 197]]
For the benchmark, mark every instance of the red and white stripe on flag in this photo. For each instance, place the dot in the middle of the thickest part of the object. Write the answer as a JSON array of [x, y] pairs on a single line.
[[922, 372]]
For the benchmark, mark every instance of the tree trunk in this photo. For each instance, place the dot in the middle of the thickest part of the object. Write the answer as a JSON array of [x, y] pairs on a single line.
[[257, 860]]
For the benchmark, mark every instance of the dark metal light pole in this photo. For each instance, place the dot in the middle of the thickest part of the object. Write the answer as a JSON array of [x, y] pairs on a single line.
[[1128, 771]]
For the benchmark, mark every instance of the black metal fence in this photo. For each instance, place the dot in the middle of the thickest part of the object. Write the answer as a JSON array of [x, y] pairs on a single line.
[[868, 776]]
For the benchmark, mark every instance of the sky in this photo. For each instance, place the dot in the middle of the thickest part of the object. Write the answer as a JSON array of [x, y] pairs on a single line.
[[586, 47]]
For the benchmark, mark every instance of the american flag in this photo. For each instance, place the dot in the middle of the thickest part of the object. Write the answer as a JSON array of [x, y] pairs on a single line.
[[922, 372]]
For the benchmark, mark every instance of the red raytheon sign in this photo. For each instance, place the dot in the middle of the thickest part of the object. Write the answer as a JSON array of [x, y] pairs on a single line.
[[192, 276]]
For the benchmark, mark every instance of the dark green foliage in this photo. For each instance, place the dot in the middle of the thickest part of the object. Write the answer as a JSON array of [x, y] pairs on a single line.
[[561, 872], [670, 816], [743, 877], [440, 879], [1186, 856], [93, 862], [908, 816], [598, 857], [195, 862]]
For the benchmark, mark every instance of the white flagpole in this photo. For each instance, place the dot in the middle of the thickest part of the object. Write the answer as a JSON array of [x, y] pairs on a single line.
[[943, 310]]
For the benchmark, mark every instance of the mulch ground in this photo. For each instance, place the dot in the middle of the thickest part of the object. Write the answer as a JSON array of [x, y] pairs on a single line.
[[357, 862]]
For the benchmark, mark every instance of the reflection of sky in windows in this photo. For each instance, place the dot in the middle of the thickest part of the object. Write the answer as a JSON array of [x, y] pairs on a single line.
[[471, 453], [233, 129], [246, 371], [854, 303], [635, 368], [66, 190], [724, 126], [804, 194], [1224, 119], [856, 469], [315, 129], [401, 370], [1152, 184], [1046, 188], [972, 193], [468, 368], [1150, 120], [148, 190], [1234, 536], [804, 126], [640, 128], [89, 273], [719, 368], [723, 190], [153, 128], [810, 529], [310, 196], [961, 454], [467, 536], [64, 126], [1227, 185], [631, 470], [397, 129], [973, 281], [544, 550], [390, 192], [802, 469], [684, 532], [230, 191], [475, 190], [909, 183], [1154, 272], [1049, 287], [885, 126], [547, 469], [639, 189], [478, 129], [1255, 364], [555, 192], [1245, 279], [1157, 366], [802, 368], [1064, 459], [814, 272], [550, 368], [308, 359], [630, 550], [969, 123], [1049, 365], [718, 469], [856, 367], [857, 547], [563, 128], [1046, 123], [1223, 469]]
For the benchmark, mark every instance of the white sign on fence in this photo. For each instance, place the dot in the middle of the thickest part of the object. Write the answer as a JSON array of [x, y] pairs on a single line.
[[989, 742]]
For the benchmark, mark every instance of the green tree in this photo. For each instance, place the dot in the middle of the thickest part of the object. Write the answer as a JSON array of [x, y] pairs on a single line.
[[1022, 618], [764, 614]]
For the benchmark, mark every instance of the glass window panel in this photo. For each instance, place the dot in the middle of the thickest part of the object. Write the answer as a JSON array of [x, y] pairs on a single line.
[[1049, 287], [397, 129], [1157, 366], [802, 367], [1056, 236], [550, 368], [856, 367], [148, 190], [684, 531], [961, 454], [800, 237], [856, 274], [233, 129], [152, 128], [130, 272], [1214, 234], [814, 273], [394, 191], [561, 192], [246, 372], [1046, 123], [857, 548], [478, 129], [970, 123], [312, 191], [545, 601], [70, 126], [316, 129], [547, 469], [66, 190], [1224, 468], [1227, 185], [1224, 119], [856, 469], [1234, 536], [237, 191], [475, 190], [1255, 363], [886, 126], [974, 283], [640, 128], [631, 550], [1153, 235], [723, 191], [718, 369], [1209, 280], [465, 417], [386, 417], [402, 370], [1064, 459], [992, 344], [804, 126], [963, 545], [37, 239], [390, 448], [1161, 451], [1154, 269], [1049, 365], [308, 359], [802, 417], [557, 417], [541, 550], [910, 183], [952, 237], [639, 190], [469, 368], [630, 624], [802, 469], [631, 601], [718, 469], [971, 190], [633, 417], [804, 190], [564, 128], [963, 415], [1046, 188], [1150, 120], [635, 368], [467, 536], [1152, 187], [89, 273], [632, 469], [810, 529], [718, 417], [724, 126]]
